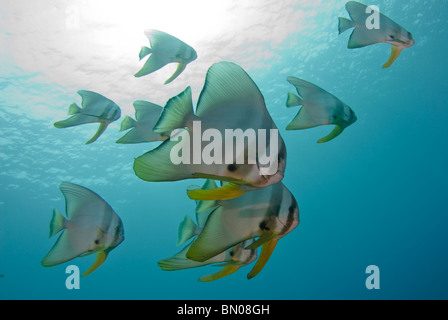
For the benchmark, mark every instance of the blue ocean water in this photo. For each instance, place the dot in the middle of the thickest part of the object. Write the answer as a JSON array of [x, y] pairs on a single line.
[[375, 195]]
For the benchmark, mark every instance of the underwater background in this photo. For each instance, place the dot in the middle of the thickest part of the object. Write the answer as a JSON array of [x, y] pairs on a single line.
[[375, 195]]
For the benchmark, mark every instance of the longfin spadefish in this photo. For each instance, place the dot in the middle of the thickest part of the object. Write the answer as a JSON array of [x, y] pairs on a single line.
[[266, 251]]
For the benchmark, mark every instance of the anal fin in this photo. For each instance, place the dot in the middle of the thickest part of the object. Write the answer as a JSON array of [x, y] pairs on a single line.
[[225, 271]]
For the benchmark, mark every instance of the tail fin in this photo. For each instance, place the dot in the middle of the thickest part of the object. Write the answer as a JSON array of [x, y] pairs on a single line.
[[187, 230], [127, 123], [144, 51], [73, 109], [204, 205], [57, 222], [177, 113], [293, 100], [345, 24]]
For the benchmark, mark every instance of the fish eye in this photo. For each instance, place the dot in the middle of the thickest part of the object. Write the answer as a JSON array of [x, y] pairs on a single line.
[[232, 167], [392, 36]]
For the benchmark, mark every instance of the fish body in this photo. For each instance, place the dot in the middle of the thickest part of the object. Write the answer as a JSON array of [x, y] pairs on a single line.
[[146, 116], [230, 100], [265, 215], [232, 259], [95, 108], [319, 107], [387, 31], [91, 226], [165, 49]]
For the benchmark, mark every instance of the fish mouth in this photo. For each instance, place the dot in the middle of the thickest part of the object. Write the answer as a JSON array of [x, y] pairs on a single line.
[[267, 180], [402, 44]]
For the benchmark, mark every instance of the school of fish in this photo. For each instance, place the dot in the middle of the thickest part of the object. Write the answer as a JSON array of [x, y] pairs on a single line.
[[240, 207]]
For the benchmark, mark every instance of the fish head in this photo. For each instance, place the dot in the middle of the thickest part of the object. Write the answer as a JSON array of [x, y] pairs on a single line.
[[349, 116], [186, 56], [115, 234], [272, 171], [192, 55], [288, 215], [400, 38]]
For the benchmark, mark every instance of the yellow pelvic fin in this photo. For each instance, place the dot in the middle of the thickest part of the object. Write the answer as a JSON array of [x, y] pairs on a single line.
[[180, 68], [227, 270], [101, 128], [266, 251], [333, 134], [100, 258], [228, 191], [393, 56], [265, 237]]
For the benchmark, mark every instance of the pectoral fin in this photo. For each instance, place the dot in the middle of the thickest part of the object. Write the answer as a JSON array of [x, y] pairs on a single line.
[[228, 191], [333, 134], [266, 251], [100, 258], [180, 68], [227, 270], [393, 56]]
